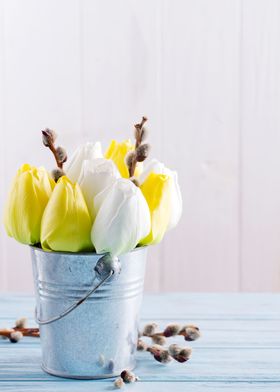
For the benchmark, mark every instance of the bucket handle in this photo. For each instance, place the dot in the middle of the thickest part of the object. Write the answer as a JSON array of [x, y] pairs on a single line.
[[105, 268]]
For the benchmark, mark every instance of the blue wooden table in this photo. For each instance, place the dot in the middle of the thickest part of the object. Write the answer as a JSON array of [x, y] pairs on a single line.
[[239, 349]]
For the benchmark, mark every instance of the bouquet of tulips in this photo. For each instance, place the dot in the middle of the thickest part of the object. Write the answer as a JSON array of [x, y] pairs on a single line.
[[104, 203]]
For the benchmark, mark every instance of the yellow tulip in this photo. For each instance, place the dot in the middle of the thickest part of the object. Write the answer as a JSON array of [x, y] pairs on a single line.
[[66, 223], [117, 152], [156, 190], [29, 195]]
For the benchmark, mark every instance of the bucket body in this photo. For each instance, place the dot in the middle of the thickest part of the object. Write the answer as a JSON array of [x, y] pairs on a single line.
[[98, 339]]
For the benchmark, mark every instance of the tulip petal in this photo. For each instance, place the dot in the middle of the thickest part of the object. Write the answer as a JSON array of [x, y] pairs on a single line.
[[88, 151], [66, 223], [29, 195], [117, 152], [96, 175], [122, 219], [154, 166], [156, 190]]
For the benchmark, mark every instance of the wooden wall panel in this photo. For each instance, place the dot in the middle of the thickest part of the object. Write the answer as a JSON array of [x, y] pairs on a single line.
[[260, 130], [201, 140], [42, 88], [206, 73], [122, 80]]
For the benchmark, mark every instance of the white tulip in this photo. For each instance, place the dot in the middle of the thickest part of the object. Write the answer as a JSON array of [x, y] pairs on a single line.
[[122, 220], [88, 151], [154, 166], [96, 175]]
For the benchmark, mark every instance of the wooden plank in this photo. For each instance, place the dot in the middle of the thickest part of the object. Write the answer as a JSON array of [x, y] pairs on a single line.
[[239, 352], [208, 365], [216, 334], [121, 79], [260, 121], [201, 141], [42, 78], [88, 386], [178, 306]]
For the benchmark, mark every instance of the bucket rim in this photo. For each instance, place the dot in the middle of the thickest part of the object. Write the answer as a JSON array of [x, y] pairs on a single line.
[[90, 253]]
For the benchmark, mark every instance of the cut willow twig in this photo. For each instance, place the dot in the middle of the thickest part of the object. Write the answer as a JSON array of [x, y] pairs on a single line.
[[33, 332], [59, 153], [141, 149]]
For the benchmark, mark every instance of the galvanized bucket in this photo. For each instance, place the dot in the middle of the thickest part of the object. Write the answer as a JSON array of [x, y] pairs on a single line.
[[87, 311]]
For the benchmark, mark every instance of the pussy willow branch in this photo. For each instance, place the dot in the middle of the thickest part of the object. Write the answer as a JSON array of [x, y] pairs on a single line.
[[138, 137], [33, 332], [48, 140]]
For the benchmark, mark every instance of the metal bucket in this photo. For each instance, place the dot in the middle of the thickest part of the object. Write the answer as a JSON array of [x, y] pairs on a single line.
[[88, 322]]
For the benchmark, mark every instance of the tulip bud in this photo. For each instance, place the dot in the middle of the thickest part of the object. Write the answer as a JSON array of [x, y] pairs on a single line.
[[66, 222], [156, 190], [61, 154], [122, 219], [88, 151], [48, 137], [157, 167], [29, 195], [117, 152], [96, 175]]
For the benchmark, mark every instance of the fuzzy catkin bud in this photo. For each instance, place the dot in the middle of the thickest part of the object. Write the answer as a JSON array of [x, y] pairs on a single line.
[[155, 348], [183, 355], [21, 323], [129, 158], [48, 137], [163, 356], [190, 332], [144, 134], [142, 152], [119, 383], [150, 329], [171, 330], [128, 376], [141, 345], [15, 336], [174, 349], [61, 154], [57, 173], [158, 339]]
